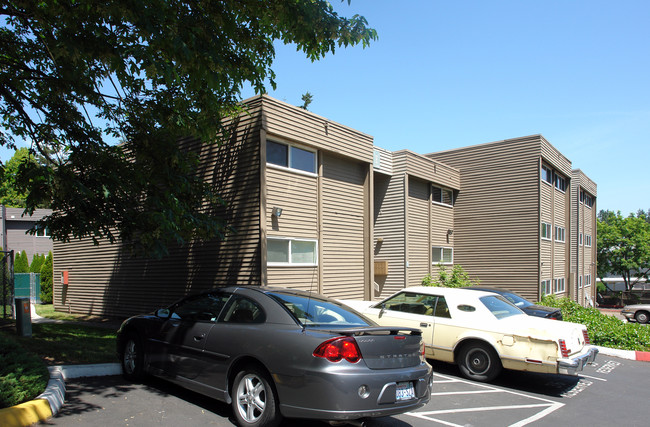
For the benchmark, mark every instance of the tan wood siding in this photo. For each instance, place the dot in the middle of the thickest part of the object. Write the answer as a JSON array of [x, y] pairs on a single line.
[[496, 215], [343, 222], [427, 169], [417, 228], [297, 196], [105, 280]]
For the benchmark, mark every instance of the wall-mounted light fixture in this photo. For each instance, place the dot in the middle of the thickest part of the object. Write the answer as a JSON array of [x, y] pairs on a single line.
[[277, 211], [380, 239], [450, 232]]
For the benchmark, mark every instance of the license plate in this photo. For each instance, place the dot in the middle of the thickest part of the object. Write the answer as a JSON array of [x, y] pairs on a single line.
[[405, 391]]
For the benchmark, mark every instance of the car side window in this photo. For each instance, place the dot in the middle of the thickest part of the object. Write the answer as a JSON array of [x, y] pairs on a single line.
[[204, 308], [411, 302], [243, 310], [442, 309]]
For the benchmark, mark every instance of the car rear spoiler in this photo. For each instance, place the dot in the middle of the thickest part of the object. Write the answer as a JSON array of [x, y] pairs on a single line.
[[374, 330]]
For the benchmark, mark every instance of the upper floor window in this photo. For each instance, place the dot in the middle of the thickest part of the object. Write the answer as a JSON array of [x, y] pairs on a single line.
[[560, 234], [580, 240], [42, 232], [586, 199], [442, 196], [290, 156], [588, 240], [546, 231], [560, 182], [547, 174], [588, 280], [287, 251], [440, 254]]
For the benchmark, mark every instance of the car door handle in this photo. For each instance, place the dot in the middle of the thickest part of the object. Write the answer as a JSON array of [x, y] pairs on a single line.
[[199, 337], [424, 325]]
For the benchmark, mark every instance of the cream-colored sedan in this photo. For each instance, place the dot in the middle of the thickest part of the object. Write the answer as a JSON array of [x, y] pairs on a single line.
[[483, 332]]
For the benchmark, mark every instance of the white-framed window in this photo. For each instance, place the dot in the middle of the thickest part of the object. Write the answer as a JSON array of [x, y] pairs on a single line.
[[558, 285], [442, 196], [580, 240], [546, 287], [588, 240], [42, 232], [587, 280], [442, 255], [546, 231], [282, 251], [580, 282], [547, 175], [560, 182], [560, 233], [291, 157]]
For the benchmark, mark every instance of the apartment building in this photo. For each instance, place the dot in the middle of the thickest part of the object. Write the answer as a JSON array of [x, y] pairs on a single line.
[[13, 232], [514, 218], [313, 205]]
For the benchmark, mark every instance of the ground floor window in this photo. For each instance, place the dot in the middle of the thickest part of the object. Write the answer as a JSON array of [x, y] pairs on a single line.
[[442, 255], [290, 251], [546, 287], [558, 285], [587, 280]]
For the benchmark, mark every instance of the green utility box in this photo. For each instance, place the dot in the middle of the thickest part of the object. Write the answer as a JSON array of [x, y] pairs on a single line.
[[23, 317]]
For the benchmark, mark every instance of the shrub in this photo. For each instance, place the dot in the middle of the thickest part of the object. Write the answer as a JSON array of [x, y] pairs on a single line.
[[47, 279], [458, 278], [604, 330], [23, 376]]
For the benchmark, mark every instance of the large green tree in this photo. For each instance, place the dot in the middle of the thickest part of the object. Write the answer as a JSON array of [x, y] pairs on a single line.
[[624, 246], [76, 76], [12, 193]]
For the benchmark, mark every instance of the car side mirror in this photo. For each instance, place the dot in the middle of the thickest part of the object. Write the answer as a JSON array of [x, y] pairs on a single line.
[[163, 312]]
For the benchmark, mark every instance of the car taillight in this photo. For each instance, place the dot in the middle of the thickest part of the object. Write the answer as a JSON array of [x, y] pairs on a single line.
[[336, 349], [422, 353], [586, 335], [563, 349]]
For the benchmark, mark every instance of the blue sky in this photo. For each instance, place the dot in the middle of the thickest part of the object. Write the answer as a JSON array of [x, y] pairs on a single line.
[[447, 74]]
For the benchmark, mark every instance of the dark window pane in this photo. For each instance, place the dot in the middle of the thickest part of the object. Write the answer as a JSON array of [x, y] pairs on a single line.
[[276, 153], [303, 160]]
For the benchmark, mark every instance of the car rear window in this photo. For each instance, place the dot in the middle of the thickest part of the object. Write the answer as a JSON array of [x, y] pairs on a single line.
[[500, 307], [317, 312]]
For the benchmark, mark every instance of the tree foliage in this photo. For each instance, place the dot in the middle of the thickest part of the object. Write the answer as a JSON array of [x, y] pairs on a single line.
[[37, 263], [47, 279], [77, 76], [21, 263], [13, 193], [623, 246]]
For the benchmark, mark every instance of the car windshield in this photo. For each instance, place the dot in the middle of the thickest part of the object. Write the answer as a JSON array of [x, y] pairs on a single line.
[[517, 300], [500, 307], [313, 311]]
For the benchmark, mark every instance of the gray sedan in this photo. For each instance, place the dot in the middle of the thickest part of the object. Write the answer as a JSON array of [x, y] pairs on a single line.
[[637, 312], [274, 353]]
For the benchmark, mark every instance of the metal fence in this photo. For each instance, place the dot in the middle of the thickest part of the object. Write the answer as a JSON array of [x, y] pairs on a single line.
[[7, 284]]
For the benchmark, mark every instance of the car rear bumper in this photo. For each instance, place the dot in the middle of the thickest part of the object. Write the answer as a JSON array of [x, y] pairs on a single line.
[[574, 364], [342, 401]]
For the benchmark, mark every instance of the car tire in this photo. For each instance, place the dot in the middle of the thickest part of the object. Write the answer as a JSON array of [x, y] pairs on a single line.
[[642, 317], [132, 358], [479, 362], [254, 400]]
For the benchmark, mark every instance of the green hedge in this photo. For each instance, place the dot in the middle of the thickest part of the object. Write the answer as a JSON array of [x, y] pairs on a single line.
[[23, 376], [604, 330]]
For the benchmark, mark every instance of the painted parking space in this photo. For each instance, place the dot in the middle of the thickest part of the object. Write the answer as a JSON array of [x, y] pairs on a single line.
[[451, 404]]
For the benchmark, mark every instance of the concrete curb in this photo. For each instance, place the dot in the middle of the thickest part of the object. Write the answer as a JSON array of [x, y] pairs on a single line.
[[642, 356], [50, 402]]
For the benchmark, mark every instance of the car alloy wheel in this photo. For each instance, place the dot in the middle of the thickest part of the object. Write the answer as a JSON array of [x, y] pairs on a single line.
[[254, 400], [132, 358]]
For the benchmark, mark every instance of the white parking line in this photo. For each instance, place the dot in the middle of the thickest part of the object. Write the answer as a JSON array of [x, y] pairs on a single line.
[[548, 405], [593, 378]]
